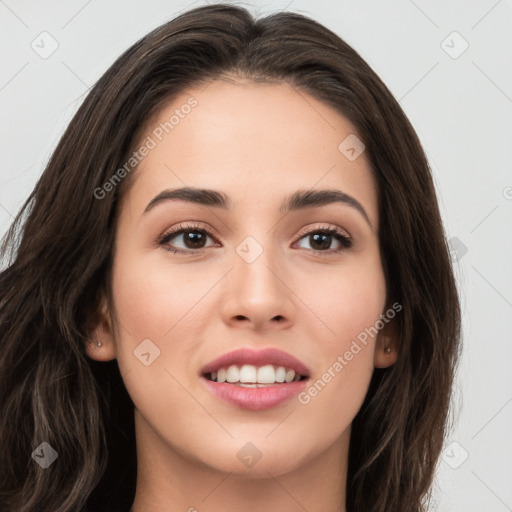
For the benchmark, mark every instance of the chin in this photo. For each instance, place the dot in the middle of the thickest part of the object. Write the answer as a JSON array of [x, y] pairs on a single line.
[[256, 459]]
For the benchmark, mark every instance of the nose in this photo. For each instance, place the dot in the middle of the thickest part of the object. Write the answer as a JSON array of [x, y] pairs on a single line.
[[257, 294]]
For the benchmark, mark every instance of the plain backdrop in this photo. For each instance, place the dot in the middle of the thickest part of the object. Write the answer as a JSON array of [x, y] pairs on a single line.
[[449, 63]]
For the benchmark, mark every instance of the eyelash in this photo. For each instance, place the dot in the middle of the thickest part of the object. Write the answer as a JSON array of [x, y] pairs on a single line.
[[344, 240]]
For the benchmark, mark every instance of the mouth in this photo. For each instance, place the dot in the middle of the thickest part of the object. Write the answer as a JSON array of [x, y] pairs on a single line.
[[255, 380]]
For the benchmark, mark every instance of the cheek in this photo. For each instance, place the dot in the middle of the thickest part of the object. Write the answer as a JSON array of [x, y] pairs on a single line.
[[152, 319], [164, 304], [346, 358], [348, 300], [349, 307], [152, 298]]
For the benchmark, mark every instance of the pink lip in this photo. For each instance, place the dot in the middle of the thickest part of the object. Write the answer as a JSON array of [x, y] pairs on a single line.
[[256, 358], [255, 399]]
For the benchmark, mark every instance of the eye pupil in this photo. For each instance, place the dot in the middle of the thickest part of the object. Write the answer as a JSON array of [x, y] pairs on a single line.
[[195, 238], [326, 238]]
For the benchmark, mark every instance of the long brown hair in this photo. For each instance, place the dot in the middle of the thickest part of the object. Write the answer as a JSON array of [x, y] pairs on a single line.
[[59, 252]]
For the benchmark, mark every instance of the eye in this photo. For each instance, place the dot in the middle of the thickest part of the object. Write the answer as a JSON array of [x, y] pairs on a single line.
[[194, 238], [322, 238]]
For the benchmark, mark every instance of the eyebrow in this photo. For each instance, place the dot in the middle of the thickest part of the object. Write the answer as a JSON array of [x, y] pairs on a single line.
[[299, 200]]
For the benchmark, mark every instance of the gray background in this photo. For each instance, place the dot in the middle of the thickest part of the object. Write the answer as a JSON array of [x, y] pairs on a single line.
[[460, 103]]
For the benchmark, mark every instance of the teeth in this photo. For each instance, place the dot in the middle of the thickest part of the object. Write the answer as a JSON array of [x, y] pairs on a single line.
[[233, 374], [266, 374], [281, 374], [249, 375], [290, 374]]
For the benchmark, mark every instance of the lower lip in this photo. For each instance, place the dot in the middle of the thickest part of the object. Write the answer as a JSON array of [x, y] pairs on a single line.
[[255, 399]]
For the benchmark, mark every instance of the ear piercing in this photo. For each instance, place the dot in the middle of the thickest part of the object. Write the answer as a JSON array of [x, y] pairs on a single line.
[[99, 343], [387, 349]]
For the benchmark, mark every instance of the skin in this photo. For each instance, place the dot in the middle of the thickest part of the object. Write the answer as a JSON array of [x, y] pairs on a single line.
[[257, 143]]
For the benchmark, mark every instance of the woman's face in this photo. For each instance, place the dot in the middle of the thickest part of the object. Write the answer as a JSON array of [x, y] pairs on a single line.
[[250, 279]]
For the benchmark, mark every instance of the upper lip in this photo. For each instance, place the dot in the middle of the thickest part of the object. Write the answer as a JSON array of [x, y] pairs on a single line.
[[257, 358]]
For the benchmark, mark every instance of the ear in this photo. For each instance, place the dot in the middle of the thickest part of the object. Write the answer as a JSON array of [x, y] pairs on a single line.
[[103, 333], [386, 346]]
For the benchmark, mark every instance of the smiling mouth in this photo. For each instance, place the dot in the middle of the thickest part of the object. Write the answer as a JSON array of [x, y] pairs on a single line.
[[251, 376]]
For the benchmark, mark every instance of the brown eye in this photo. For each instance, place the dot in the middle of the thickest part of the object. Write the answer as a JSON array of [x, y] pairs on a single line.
[[193, 239], [320, 240]]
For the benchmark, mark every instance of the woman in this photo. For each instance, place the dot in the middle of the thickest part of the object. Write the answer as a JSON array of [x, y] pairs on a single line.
[[230, 287]]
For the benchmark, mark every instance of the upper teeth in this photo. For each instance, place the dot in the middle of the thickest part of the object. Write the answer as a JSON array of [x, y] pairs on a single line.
[[248, 373]]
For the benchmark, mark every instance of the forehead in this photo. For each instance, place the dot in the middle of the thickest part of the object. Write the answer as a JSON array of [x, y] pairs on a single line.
[[255, 141]]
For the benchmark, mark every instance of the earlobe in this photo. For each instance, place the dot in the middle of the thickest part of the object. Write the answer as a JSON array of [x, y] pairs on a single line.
[[101, 351], [101, 346], [386, 347], [385, 357]]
